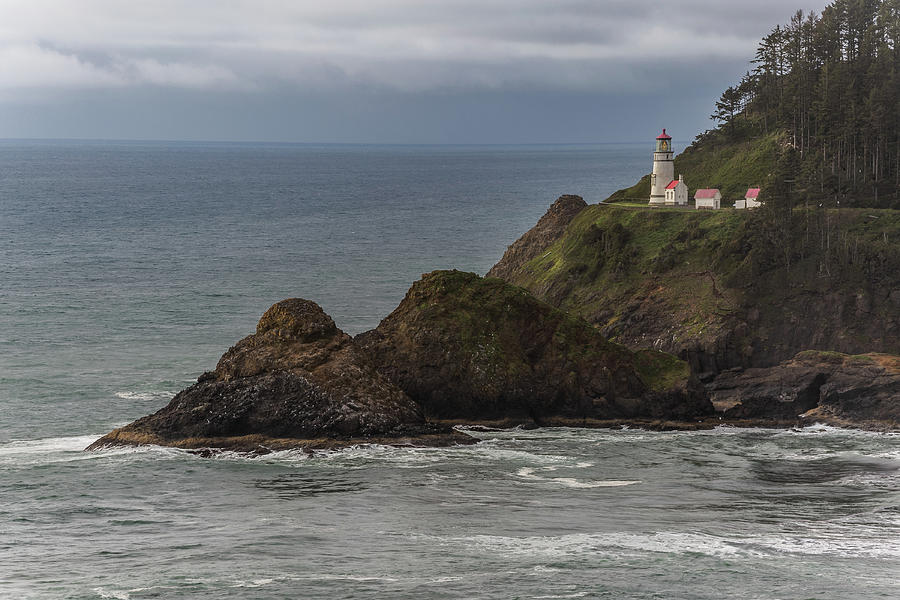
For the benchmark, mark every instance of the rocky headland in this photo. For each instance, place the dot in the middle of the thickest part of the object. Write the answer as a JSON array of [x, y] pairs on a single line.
[[599, 316], [715, 289], [814, 386]]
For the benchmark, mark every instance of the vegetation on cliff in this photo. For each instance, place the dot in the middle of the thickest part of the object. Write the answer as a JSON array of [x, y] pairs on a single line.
[[723, 288], [828, 85], [815, 120], [815, 124]]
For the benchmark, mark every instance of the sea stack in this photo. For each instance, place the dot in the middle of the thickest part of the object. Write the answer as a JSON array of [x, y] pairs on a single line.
[[298, 382]]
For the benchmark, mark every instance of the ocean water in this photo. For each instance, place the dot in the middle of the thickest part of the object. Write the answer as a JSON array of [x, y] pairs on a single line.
[[126, 269]]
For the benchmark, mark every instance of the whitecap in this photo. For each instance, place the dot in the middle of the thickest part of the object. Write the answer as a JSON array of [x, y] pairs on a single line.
[[117, 595], [570, 482], [145, 395], [613, 544]]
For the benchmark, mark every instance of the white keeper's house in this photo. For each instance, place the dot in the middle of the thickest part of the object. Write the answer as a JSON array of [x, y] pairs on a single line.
[[677, 192]]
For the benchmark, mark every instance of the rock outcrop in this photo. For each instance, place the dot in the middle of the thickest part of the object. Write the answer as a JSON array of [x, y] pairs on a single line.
[[860, 390], [298, 382], [540, 237], [478, 349]]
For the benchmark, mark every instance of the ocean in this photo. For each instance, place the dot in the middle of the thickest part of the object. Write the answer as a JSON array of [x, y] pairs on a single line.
[[128, 268]]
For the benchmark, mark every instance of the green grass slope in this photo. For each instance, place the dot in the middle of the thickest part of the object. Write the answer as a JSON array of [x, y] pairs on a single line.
[[731, 166], [728, 288]]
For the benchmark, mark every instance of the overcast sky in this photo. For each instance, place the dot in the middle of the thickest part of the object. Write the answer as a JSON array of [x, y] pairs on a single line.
[[386, 71]]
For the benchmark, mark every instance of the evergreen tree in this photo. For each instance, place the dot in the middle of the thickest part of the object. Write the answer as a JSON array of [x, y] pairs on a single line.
[[831, 84]]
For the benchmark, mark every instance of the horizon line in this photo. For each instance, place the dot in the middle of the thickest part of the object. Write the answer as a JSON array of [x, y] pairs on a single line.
[[317, 143]]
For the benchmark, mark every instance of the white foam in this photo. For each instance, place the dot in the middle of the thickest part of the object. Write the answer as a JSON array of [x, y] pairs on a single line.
[[117, 595], [145, 395], [831, 545], [70, 449], [47, 445], [571, 482], [609, 544], [253, 584], [837, 543]]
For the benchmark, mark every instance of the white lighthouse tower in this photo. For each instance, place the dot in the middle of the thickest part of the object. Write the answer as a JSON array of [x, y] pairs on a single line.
[[663, 169]]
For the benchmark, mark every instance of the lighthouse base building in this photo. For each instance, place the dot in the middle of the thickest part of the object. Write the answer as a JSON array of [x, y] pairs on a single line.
[[677, 192]]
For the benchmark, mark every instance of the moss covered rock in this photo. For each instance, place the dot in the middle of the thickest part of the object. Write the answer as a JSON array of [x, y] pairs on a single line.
[[471, 348]]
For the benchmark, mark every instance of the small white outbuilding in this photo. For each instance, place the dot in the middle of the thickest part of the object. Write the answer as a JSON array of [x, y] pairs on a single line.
[[708, 198], [677, 192], [751, 199]]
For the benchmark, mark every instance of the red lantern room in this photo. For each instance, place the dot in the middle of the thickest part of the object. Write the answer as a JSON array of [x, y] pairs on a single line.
[[664, 142]]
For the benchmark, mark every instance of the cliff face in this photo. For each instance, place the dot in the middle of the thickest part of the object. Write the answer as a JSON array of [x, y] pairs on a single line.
[[723, 289], [821, 386], [299, 381], [540, 237], [468, 348]]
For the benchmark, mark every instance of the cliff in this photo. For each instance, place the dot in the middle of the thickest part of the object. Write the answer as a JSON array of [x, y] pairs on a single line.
[[469, 349], [723, 289]]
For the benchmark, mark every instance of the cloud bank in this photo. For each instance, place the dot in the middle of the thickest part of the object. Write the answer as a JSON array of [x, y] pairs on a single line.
[[51, 49], [407, 45]]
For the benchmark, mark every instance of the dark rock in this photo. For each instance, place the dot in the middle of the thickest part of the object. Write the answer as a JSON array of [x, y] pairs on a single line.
[[478, 349], [861, 390], [299, 381]]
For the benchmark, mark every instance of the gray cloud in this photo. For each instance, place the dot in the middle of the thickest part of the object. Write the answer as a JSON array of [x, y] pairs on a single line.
[[403, 44], [270, 50]]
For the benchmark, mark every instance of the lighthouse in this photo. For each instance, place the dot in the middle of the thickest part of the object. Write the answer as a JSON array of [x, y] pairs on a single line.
[[663, 169]]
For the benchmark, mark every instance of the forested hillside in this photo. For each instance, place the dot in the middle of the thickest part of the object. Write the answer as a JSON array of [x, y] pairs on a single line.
[[829, 85]]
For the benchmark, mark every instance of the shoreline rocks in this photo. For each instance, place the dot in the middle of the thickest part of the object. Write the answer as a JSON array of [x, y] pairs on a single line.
[[465, 350], [815, 386]]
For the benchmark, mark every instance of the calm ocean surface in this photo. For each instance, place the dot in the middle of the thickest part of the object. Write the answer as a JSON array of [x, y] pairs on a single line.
[[127, 269]]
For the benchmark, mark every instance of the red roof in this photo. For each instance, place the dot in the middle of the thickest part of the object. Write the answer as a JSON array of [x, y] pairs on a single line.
[[664, 136], [672, 184], [752, 193], [706, 193]]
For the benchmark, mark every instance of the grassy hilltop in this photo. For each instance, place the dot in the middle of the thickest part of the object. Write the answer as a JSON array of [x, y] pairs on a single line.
[[732, 166], [816, 118]]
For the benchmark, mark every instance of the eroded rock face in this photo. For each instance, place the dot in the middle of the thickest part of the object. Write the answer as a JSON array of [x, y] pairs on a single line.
[[540, 237], [298, 377], [822, 386], [471, 348]]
